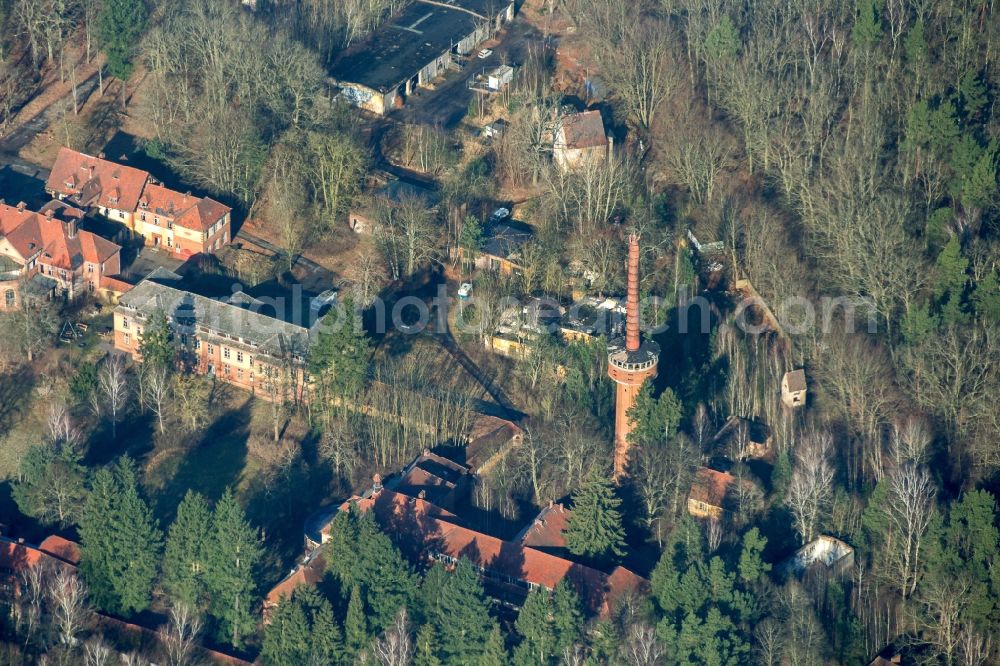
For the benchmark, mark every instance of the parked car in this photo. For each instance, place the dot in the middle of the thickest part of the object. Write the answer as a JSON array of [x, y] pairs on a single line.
[[465, 290], [485, 53], [499, 215]]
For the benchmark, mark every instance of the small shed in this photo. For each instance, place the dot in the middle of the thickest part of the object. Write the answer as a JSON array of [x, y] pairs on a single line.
[[793, 388], [500, 77]]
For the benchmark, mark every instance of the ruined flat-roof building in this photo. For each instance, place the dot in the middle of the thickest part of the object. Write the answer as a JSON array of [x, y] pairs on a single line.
[[414, 47]]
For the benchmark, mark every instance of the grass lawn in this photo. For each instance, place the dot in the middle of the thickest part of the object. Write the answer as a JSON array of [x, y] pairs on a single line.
[[208, 463]]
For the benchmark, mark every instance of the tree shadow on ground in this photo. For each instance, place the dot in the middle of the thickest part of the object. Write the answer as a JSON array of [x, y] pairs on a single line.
[[214, 463], [133, 436], [280, 500], [16, 388]]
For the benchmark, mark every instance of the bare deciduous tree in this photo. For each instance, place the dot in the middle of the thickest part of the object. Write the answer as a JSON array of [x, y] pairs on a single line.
[[395, 646], [98, 653], [811, 487], [642, 646], [113, 380], [180, 634], [910, 507], [68, 598]]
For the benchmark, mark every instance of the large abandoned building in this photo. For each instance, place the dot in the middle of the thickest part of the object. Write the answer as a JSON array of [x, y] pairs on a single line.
[[414, 47]]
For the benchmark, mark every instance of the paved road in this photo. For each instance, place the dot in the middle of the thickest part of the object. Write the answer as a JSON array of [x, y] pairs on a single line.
[[447, 104], [23, 134]]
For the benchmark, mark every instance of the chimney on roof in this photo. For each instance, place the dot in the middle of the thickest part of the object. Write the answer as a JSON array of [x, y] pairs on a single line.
[[422, 494], [100, 155], [91, 168], [426, 451], [376, 483], [20, 206], [70, 225], [48, 214]]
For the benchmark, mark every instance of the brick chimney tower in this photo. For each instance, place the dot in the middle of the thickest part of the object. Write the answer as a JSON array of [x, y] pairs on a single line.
[[631, 361]]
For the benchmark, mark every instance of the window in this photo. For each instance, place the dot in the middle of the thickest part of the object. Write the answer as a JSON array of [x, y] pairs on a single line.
[[184, 338], [169, 242], [225, 352], [121, 214], [124, 322], [239, 357], [9, 298], [239, 373], [170, 225], [90, 268], [211, 348], [225, 370], [142, 217], [128, 339], [197, 343]]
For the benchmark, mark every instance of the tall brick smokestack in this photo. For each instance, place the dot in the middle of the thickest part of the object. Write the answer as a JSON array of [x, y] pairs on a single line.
[[632, 306], [631, 361]]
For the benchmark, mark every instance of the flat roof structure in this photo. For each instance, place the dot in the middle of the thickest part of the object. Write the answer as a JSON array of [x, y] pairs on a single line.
[[415, 36]]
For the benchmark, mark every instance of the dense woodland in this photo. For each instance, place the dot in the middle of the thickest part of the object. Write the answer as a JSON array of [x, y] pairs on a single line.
[[841, 150]]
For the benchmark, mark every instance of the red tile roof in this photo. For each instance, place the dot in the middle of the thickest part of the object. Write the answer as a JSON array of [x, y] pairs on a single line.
[[93, 181], [421, 527], [546, 531], [116, 285], [584, 130], [710, 486], [29, 233], [308, 574], [66, 550], [185, 210]]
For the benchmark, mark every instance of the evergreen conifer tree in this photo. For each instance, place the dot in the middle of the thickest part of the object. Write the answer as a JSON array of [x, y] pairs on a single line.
[[462, 619], [286, 636], [97, 540], [184, 555], [356, 634], [594, 529], [326, 640], [534, 624], [232, 555], [494, 653], [339, 355], [425, 650], [156, 345], [120, 541], [119, 27]]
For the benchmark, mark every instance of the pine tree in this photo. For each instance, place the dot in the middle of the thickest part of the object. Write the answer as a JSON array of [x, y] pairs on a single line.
[[233, 553], [462, 619], [425, 650], [98, 540], [326, 640], [594, 528], [120, 541], [567, 618], [494, 653], [867, 30], [950, 276], [356, 634], [655, 420], [286, 636], [752, 566], [156, 346], [534, 625], [185, 552], [340, 353], [387, 581], [986, 298], [140, 543], [119, 27]]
